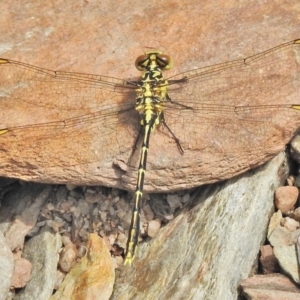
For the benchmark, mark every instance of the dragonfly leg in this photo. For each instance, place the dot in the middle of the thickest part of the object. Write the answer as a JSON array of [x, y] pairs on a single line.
[[177, 141]]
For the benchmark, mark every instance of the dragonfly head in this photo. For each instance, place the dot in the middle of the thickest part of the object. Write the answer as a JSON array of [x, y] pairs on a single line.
[[153, 58]]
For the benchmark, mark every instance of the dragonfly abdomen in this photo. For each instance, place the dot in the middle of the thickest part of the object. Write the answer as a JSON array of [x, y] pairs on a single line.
[[135, 221]]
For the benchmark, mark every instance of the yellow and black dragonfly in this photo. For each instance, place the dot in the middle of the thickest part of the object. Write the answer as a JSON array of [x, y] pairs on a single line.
[[215, 116]]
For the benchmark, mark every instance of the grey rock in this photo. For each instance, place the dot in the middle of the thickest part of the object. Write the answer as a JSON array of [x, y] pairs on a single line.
[[280, 236], [20, 212], [210, 247], [288, 260], [42, 252]]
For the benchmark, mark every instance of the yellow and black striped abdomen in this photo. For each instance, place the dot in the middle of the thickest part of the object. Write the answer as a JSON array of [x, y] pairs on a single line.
[[135, 221]]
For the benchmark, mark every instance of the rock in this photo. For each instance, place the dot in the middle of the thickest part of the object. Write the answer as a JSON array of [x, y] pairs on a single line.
[[269, 287], [288, 260], [295, 214], [97, 157], [286, 197], [291, 180], [23, 207], [283, 241], [7, 267], [67, 257], [174, 201], [22, 272], [289, 223], [298, 248], [149, 215], [280, 236], [84, 207], [59, 279], [274, 222], [294, 237], [91, 197], [268, 261], [224, 37], [153, 227], [92, 278], [42, 252], [160, 207], [186, 197], [210, 246]]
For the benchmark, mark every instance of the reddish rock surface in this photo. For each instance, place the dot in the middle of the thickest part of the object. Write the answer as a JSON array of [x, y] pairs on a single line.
[[270, 287], [105, 38]]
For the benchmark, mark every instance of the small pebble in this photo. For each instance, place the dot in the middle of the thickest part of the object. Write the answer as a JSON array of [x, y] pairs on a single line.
[[65, 240], [103, 216], [91, 197], [84, 207], [68, 257], [286, 197], [71, 187], [149, 214], [289, 223], [55, 225], [66, 205], [81, 251], [119, 260], [174, 201], [290, 180], [121, 214], [123, 205], [295, 214], [268, 261], [22, 271], [185, 198], [50, 206], [153, 227]]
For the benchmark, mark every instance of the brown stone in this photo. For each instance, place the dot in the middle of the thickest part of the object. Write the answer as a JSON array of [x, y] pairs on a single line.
[[105, 39], [270, 287], [67, 257], [153, 227], [290, 223], [286, 197], [22, 272], [268, 261]]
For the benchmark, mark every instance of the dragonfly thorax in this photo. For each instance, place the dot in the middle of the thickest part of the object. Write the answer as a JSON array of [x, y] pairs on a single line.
[[152, 91]]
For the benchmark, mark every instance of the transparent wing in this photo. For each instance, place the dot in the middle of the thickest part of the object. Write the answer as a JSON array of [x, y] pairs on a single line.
[[238, 105], [48, 114]]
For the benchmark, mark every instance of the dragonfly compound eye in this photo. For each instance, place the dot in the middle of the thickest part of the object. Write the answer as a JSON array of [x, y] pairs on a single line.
[[142, 62], [164, 61], [155, 57]]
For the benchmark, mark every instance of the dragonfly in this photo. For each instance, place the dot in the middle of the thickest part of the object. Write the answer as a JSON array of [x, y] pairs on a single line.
[[224, 113]]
